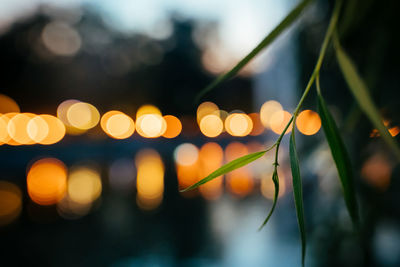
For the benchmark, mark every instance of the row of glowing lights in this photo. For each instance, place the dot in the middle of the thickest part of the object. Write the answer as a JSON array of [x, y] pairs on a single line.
[[213, 121], [75, 117], [75, 190]]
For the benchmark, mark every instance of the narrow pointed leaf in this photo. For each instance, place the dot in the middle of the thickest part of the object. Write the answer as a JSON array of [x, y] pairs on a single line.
[[233, 165], [285, 23], [340, 156], [275, 180], [298, 194], [361, 94]]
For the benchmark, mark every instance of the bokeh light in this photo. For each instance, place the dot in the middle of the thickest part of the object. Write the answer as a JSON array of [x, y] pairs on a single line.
[[10, 202], [258, 127], [240, 181], [8, 105], [279, 120], [47, 181], [174, 126], [83, 115], [211, 157], [38, 129], [117, 125], [187, 165], [61, 39], [62, 110], [266, 111], [204, 109], [84, 185], [150, 179], [56, 130], [147, 109], [377, 171], [151, 125], [186, 154], [308, 122], [4, 133], [268, 187], [211, 125], [238, 124], [18, 128]]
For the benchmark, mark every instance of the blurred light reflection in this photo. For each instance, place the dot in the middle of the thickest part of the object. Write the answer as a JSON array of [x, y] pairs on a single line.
[[10, 202], [150, 179], [47, 181]]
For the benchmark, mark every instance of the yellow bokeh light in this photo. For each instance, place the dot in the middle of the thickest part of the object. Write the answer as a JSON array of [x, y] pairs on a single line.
[[211, 157], [8, 105], [279, 120], [238, 124], [174, 126], [62, 110], [240, 181], [18, 128], [204, 109], [147, 109], [56, 130], [266, 111], [151, 125], [211, 125], [150, 179], [47, 181], [83, 116], [117, 125], [308, 122], [38, 129], [186, 154], [10, 202], [84, 185]]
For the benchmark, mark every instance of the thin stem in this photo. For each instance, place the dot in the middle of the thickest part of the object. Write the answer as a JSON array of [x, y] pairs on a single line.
[[314, 75]]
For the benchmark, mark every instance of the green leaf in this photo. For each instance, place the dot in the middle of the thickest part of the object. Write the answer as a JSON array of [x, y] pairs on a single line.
[[340, 156], [233, 165], [361, 94], [285, 23], [275, 180], [298, 194]]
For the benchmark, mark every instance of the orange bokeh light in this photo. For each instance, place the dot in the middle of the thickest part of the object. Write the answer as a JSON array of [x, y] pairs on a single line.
[[268, 187], [56, 130], [258, 127], [240, 181], [308, 122], [10, 202], [211, 157], [174, 126], [7, 104], [38, 129], [47, 181], [279, 120], [18, 128], [4, 133]]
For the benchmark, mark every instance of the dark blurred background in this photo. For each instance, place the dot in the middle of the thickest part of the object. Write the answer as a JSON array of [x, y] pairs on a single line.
[[119, 55]]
